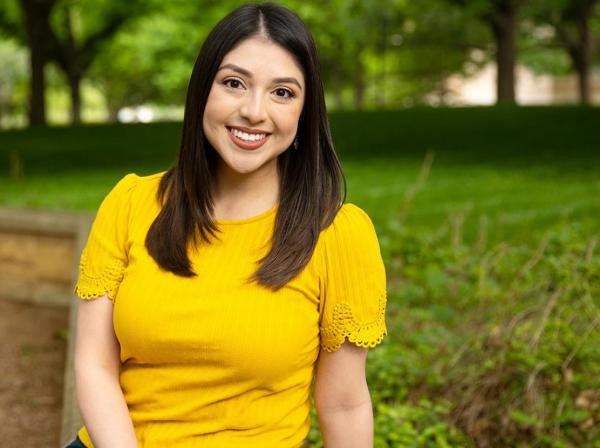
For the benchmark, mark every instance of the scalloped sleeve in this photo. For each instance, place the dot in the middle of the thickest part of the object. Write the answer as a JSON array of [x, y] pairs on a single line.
[[353, 282], [104, 257]]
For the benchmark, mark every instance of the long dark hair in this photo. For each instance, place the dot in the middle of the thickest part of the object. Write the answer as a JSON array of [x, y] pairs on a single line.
[[310, 176]]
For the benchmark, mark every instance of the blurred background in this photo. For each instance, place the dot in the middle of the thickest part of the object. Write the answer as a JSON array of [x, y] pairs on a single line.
[[469, 132], [100, 61]]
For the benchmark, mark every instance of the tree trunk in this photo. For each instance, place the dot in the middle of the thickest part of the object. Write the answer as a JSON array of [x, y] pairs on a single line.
[[579, 47], [113, 114], [114, 102], [381, 84], [37, 86], [584, 83], [74, 86], [504, 28], [36, 14], [337, 76], [337, 86], [580, 58], [442, 90], [359, 81], [584, 54], [73, 69]]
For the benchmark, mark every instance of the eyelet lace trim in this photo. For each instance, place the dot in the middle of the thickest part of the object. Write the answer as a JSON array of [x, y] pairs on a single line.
[[90, 286], [344, 325]]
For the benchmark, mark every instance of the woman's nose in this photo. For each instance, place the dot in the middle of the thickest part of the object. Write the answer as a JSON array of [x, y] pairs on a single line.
[[253, 108]]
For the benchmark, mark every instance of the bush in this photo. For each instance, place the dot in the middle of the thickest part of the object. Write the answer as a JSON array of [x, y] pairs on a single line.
[[488, 347]]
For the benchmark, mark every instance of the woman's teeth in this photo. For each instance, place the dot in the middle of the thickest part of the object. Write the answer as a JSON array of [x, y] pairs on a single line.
[[245, 136]]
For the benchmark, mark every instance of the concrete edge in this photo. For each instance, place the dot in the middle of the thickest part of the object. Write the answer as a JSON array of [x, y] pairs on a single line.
[[71, 418]]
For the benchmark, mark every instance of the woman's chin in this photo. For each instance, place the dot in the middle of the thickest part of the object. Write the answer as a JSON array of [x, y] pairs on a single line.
[[244, 168]]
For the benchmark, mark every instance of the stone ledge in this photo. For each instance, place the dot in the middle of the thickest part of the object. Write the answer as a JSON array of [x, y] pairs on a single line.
[[54, 223], [39, 263]]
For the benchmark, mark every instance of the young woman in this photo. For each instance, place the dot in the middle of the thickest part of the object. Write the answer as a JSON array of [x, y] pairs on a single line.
[[217, 291]]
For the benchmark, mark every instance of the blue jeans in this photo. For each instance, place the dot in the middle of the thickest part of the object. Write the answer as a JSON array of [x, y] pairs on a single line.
[[77, 443]]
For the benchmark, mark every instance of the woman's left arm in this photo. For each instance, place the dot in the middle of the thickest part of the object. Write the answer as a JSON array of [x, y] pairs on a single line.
[[342, 398]]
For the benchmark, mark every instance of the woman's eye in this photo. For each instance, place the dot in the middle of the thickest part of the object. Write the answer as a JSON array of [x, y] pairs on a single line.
[[284, 93], [233, 83], [281, 92]]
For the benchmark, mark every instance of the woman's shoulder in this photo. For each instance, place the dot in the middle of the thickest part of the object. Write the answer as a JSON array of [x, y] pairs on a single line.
[[353, 212], [134, 185], [156, 177], [131, 181], [134, 180], [133, 193], [351, 219], [351, 232]]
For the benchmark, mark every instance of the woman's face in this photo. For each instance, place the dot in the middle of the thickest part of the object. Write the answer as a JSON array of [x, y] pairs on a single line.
[[254, 105]]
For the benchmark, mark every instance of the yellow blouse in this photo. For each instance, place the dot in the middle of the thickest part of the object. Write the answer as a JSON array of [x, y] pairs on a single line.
[[212, 361]]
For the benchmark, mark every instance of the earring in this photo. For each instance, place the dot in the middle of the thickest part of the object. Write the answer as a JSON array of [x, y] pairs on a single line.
[[296, 143]]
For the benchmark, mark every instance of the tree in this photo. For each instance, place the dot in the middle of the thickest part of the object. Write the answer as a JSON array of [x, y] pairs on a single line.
[[75, 48], [29, 22], [438, 40], [150, 60], [502, 18], [571, 22], [36, 14], [68, 32], [356, 48], [343, 30]]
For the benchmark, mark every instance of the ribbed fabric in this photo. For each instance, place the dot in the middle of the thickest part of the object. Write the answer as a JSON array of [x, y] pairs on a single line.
[[213, 361]]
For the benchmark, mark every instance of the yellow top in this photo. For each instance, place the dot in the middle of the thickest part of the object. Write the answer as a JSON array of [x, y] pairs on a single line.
[[211, 361]]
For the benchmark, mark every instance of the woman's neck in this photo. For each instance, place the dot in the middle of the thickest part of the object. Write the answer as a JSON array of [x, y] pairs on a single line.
[[239, 195]]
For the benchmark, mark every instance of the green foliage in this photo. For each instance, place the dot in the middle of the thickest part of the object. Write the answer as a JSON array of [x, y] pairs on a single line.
[[419, 425], [81, 19], [150, 61], [371, 47], [507, 338], [502, 347], [13, 79], [374, 54], [10, 20]]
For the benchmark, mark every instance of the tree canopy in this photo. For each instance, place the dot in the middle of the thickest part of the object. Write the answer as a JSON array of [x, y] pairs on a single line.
[[374, 53]]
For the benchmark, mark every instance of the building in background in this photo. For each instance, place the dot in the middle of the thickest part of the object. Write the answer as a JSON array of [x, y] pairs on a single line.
[[530, 89]]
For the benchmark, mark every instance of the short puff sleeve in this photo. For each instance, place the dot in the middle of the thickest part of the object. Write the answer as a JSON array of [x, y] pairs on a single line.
[[352, 283], [105, 255]]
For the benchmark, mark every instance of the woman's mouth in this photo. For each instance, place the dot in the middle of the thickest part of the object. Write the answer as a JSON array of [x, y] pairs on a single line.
[[246, 140]]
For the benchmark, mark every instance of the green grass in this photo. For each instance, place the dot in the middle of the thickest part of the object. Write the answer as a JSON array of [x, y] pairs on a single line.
[[461, 316], [522, 170]]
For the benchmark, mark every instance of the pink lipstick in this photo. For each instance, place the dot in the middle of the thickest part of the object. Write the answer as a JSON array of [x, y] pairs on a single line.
[[246, 144]]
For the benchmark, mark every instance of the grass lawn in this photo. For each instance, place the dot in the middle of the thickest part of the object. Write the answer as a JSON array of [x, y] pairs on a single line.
[[518, 170], [481, 333]]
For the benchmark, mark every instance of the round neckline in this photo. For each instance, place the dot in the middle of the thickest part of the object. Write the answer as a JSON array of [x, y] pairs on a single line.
[[254, 218]]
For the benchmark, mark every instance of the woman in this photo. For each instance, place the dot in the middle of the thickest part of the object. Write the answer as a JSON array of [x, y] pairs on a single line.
[[224, 286]]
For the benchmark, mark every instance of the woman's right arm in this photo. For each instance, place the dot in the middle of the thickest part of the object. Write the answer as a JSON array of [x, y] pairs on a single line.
[[97, 363]]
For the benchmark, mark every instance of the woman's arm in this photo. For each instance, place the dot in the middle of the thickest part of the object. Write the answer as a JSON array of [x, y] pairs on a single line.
[[342, 398], [97, 363]]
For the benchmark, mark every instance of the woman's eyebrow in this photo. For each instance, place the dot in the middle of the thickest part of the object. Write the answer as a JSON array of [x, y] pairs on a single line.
[[245, 72]]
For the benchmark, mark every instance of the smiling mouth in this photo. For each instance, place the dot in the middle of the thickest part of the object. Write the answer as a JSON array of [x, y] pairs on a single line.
[[248, 137], [246, 140]]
